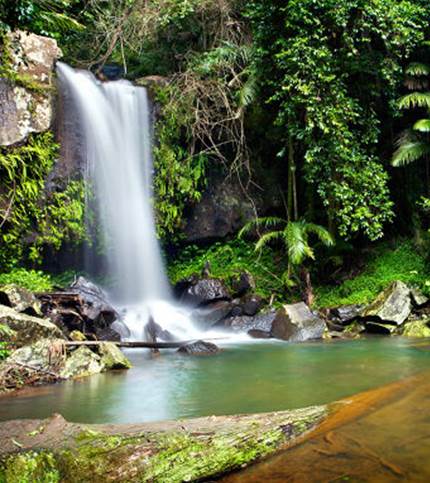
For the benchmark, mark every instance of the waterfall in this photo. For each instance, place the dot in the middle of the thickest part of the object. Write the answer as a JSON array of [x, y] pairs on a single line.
[[116, 120]]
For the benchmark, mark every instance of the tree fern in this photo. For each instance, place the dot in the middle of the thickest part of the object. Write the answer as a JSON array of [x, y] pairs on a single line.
[[423, 125], [415, 99], [410, 152]]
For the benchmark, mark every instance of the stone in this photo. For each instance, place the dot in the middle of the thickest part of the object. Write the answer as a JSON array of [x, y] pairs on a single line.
[[199, 348], [209, 315], [243, 284], [20, 299], [355, 328], [418, 329], [112, 357], [260, 324], [81, 363], [154, 332], [251, 304], [374, 327], [418, 298], [204, 291], [107, 333], [393, 305], [77, 336], [296, 323], [23, 108], [346, 313], [27, 329], [45, 355]]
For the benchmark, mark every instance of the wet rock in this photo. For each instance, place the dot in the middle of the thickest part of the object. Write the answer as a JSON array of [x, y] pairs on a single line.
[[82, 362], [112, 357], [243, 284], [107, 333], [45, 355], [346, 313], [27, 329], [418, 328], [393, 305], [251, 304], [260, 324], [20, 299], [296, 323], [154, 332], [199, 348], [209, 315], [120, 328], [418, 298], [259, 334], [355, 328], [25, 109], [95, 302], [204, 291]]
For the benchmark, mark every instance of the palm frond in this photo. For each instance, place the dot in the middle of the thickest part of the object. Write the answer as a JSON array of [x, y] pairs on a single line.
[[410, 152], [418, 69], [415, 99], [323, 234], [266, 222], [267, 238], [248, 92], [423, 125], [295, 239]]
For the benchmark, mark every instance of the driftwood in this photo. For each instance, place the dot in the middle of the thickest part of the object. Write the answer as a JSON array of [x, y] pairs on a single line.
[[137, 344]]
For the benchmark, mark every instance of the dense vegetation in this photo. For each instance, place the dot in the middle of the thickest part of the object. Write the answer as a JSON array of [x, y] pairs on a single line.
[[325, 102]]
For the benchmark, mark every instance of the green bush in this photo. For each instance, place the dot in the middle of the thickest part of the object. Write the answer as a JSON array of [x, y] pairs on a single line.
[[384, 265], [33, 280], [228, 259]]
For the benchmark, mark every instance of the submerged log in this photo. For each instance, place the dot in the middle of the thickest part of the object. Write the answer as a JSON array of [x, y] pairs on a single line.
[[172, 451]]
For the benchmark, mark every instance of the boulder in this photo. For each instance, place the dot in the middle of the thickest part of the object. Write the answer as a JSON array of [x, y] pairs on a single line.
[[296, 323], [43, 355], [26, 98], [393, 305], [243, 284], [95, 306], [375, 327], [418, 328], [27, 329], [209, 315], [154, 332], [418, 298], [259, 325], [204, 291], [20, 299], [251, 304], [82, 362], [107, 333], [346, 313], [112, 357], [199, 348]]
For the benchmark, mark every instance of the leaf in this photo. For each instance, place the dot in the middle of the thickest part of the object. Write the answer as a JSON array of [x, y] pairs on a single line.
[[415, 99], [418, 69], [410, 152], [423, 125]]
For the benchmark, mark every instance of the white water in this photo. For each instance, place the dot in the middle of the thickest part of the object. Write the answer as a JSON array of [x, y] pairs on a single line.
[[116, 119]]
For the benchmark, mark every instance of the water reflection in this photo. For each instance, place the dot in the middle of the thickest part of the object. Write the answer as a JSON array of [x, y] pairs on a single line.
[[256, 377]]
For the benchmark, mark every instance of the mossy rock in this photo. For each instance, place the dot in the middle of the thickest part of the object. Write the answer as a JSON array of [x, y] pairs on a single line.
[[418, 329], [112, 357]]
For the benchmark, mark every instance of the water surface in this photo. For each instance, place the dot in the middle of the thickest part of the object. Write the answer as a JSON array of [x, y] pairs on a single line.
[[244, 378]]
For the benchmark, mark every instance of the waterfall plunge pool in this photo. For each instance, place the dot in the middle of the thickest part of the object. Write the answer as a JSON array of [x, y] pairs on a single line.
[[245, 378]]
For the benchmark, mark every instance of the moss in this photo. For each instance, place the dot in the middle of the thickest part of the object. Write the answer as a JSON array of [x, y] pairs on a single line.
[[30, 467], [173, 456]]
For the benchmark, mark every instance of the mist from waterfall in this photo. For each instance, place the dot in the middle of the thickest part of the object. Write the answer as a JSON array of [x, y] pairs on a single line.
[[116, 120]]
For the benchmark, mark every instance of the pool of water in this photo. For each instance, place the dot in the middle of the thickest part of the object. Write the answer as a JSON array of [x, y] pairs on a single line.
[[244, 378]]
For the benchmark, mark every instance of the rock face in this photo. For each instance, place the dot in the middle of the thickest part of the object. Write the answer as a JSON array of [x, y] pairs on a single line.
[[259, 326], [28, 329], [203, 291], [20, 300], [209, 315], [199, 348], [26, 103], [296, 323], [82, 362], [112, 357], [223, 209], [393, 305]]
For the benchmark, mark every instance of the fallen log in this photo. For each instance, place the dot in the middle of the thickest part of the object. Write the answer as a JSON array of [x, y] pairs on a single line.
[[137, 344]]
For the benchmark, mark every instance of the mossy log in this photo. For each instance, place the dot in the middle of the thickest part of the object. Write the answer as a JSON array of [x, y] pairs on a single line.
[[193, 450]]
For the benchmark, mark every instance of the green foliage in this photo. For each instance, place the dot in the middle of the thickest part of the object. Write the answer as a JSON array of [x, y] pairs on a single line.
[[30, 217], [4, 350], [179, 176], [227, 260], [325, 66], [294, 235], [384, 264], [33, 280]]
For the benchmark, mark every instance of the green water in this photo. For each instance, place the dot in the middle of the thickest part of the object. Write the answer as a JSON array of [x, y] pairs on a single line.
[[254, 377]]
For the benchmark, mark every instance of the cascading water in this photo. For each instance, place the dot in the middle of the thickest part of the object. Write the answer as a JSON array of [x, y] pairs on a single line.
[[116, 121]]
